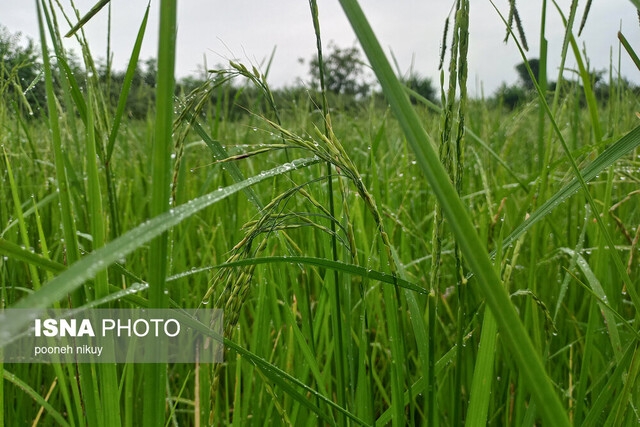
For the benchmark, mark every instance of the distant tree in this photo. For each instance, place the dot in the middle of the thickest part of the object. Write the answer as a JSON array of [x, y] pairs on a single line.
[[343, 71], [603, 89], [20, 69], [150, 72], [523, 73], [423, 86], [511, 96], [525, 79]]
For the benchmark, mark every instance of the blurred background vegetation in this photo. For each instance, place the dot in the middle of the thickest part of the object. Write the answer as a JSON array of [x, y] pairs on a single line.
[[348, 82]]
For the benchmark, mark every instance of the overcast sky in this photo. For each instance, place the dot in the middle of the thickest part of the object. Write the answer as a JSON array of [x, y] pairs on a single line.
[[248, 30]]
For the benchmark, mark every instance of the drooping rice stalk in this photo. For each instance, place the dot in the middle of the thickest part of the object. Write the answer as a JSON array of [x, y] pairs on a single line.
[[336, 306], [446, 154], [461, 281], [515, 16], [585, 14]]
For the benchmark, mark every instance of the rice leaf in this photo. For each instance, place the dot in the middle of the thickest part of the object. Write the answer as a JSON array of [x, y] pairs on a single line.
[[90, 265], [126, 85], [629, 49], [514, 333], [92, 12], [620, 148], [37, 397]]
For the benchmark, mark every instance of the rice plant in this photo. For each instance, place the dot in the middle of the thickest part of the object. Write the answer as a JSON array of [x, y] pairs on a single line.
[[383, 259]]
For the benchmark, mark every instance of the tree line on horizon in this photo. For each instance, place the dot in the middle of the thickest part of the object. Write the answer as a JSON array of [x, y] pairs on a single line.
[[22, 82]]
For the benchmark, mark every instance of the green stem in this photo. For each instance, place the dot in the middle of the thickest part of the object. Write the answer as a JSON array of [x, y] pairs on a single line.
[[509, 323], [155, 374]]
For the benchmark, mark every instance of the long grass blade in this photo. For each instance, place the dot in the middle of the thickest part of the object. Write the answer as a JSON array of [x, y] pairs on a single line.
[[126, 85], [629, 49], [68, 223], [155, 374], [355, 270], [483, 373], [615, 152], [595, 285], [613, 383], [92, 12], [16, 252], [509, 323], [89, 266], [37, 397]]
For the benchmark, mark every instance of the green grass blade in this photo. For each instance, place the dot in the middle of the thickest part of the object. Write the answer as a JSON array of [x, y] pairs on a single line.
[[420, 385], [603, 304], [72, 251], [2, 372], [74, 89], [307, 353], [597, 408], [16, 252], [176, 401], [595, 285], [623, 400], [162, 147], [416, 314], [620, 148], [155, 374], [355, 270], [587, 85], [89, 266], [219, 153], [94, 195], [68, 223], [512, 329], [45, 201], [126, 85], [483, 373], [280, 377], [108, 381], [391, 304], [483, 369], [337, 321], [66, 84], [629, 49], [92, 12], [37, 397], [62, 379], [35, 279], [542, 78]]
